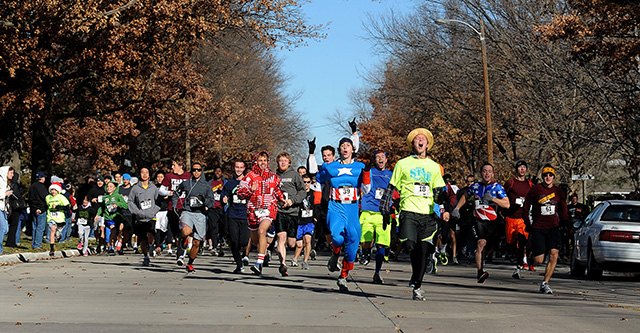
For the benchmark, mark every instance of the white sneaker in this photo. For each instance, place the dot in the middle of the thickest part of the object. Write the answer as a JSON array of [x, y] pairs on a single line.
[[418, 295], [516, 274], [545, 289]]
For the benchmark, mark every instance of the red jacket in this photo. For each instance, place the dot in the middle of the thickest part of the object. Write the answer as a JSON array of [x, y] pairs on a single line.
[[266, 196]]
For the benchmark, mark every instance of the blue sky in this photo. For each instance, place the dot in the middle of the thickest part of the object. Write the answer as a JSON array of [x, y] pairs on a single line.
[[325, 71]]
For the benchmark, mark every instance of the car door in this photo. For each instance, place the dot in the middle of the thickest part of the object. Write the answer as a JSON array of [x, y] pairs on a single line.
[[582, 234]]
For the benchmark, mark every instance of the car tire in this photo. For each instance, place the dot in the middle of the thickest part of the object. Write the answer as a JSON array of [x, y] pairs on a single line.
[[577, 269], [593, 271]]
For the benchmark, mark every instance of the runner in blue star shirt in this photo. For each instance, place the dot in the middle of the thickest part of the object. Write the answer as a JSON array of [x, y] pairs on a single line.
[[487, 196], [342, 218]]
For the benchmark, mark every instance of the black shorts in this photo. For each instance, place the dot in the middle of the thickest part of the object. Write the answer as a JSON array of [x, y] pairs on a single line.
[[484, 229], [417, 227], [142, 228], [545, 239], [286, 223]]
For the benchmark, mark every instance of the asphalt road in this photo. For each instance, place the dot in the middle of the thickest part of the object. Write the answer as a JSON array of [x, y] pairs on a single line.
[[100, 293]]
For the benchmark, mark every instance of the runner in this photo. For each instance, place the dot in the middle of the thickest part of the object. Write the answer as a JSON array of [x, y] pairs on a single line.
[[306, 225], [419, 181], [198, 197], [124, 229], [261, 187], [236, 216], [216, 228], [169, 185], [548, 206], [487, 196], [142, 204], [517, 189], [110, 211], [371, 220], [286, 223], [95, 195], [345, 179]]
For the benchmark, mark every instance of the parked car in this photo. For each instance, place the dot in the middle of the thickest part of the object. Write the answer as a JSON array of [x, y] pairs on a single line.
[[609, 238]]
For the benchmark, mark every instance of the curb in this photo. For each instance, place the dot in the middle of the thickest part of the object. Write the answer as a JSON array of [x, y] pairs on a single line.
[[16, 258]]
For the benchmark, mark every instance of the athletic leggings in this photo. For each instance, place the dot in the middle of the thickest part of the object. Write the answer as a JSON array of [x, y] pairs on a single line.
[[419, 254], [238, 237]]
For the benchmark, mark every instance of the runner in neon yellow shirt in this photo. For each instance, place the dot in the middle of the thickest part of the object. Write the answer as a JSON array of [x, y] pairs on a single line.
[[419, 181]]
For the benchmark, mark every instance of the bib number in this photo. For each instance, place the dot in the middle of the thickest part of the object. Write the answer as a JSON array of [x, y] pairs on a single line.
[[305, 213], [520, 201], [216, 196], [145, 204], [82, 221], [548, 210], [237, 200], [195, 202], [421, 190], [111, 208], [345, 193], [99, 198], [261, 213], [56, 215], [481, 204], [379, 193]]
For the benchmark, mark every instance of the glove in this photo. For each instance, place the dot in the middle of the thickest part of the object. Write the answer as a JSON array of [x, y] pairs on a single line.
[[312, 145], [455, 214], [386, 220], [367, 167], [488, 197], [385, 202], [353, 126]]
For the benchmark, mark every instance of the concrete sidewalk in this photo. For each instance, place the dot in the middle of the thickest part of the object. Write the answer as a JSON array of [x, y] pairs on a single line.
[[100, 293]]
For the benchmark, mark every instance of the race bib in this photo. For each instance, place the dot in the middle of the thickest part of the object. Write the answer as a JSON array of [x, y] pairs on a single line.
[[547, 210], [421, 190], [82, 221], [237, 200], [56, 215], [379, 193], [99, 198], [261, 213], [306, 213], [481, 204], [195, 202], [216, 196], [520, 201], [111, 208], [345, 193], [146, 204]]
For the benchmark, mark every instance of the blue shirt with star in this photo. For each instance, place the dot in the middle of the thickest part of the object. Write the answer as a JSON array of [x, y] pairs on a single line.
[[341, 174]]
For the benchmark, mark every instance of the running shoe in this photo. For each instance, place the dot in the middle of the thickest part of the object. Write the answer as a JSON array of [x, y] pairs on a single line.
[[209, 248], [545, 289], [283, 270], [294, 263], [170, 252], [516, 274], [433, 266], [342, 284], [220, 252], [412, 284], [118, 246], [367, 259], [111, 251], [180, 261], [305, 266], [455, 261], [85, 253], [121, 251], [145, 261], [377, 279], [444, 259], [267, 259], [52, 253], [189, 269], [418, 295], [245, 261], [531, 268], [80, 246], [312, 254], [482, 276], [332, 265], [256, 269], [214, 252], [239, 270]]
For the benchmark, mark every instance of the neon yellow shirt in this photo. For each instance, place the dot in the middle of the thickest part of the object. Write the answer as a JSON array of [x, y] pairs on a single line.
[[54, 214], [415, 179]]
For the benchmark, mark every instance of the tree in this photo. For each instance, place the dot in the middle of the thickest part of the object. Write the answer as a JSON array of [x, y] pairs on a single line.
[[68, 61]]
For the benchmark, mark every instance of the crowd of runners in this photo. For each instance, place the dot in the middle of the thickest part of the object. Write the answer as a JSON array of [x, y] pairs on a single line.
[[362, 213]]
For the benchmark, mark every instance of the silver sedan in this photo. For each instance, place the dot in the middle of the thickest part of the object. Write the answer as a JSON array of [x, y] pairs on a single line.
[[609, 238]]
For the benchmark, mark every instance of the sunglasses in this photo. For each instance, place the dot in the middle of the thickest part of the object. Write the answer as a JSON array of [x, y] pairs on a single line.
[[307, 182], [194, 170], [548, 174]]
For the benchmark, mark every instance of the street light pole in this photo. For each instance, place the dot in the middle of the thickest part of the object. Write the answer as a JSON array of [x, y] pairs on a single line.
[[487, 99]]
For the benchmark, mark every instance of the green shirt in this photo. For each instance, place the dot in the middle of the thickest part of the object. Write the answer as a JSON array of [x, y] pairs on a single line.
[[107, 210], [55, 214], [415, 179]]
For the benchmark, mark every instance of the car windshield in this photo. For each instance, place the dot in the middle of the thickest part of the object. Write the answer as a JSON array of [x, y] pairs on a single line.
[[625, 213]]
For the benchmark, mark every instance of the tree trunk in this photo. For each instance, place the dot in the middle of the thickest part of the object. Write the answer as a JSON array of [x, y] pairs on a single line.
[[42, 146]]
